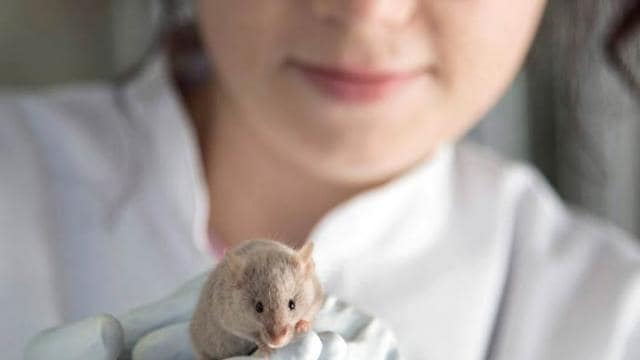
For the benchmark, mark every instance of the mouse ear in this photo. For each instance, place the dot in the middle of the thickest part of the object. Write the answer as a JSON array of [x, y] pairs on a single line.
[[305, 251], [236, 264], [305, 261]]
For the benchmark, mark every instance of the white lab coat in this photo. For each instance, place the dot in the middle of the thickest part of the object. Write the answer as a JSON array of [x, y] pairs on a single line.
[[468, 256]]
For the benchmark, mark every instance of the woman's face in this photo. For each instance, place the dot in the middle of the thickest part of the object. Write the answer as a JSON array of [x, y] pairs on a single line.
[[358, 90]]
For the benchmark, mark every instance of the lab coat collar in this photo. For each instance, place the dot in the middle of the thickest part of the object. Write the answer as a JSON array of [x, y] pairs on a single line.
[[390, 222]]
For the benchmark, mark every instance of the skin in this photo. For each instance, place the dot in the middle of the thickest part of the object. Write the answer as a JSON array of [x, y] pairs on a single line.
[[278, 154]]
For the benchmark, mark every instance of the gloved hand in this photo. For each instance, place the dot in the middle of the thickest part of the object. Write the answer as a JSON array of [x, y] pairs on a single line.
[[160, 331]]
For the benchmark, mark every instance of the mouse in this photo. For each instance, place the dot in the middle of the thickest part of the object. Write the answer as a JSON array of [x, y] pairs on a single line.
[[260, 296]]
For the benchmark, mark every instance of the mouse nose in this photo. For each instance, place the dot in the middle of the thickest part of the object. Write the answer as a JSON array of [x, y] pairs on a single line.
[[278, 334]]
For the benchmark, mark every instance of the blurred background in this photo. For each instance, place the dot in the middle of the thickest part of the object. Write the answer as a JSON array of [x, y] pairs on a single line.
[[573, 111]]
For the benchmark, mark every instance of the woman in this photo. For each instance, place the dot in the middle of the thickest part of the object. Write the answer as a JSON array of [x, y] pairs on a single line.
[[327, 120]]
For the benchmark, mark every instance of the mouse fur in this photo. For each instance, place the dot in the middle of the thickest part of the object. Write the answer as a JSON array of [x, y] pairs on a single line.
[[227, 320]]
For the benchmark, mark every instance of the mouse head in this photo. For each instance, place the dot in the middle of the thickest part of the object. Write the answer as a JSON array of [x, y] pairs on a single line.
[[273, 290]]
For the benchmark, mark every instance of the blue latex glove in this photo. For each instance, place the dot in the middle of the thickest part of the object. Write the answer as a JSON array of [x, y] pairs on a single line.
[[160, 331]]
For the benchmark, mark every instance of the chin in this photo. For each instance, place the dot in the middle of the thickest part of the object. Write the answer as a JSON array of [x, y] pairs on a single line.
[[370, 168]]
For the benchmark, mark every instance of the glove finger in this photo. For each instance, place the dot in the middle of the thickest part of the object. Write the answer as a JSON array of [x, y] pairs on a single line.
[[170, 342], [175, 308], [333, 346], [375, 341], [304, 347], [365, 336], [99, 337], [339, 317]]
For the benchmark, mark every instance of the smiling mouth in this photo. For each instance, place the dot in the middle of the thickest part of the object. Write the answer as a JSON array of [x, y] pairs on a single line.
[[355, 85]]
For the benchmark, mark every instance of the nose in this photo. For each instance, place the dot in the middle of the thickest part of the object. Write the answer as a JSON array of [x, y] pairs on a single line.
[[277, 334], [380, 12]]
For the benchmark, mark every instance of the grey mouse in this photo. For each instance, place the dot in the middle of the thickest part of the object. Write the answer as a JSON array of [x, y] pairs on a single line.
[[261, 295]]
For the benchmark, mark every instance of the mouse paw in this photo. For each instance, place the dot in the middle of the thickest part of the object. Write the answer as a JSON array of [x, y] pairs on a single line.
[[302, 326]]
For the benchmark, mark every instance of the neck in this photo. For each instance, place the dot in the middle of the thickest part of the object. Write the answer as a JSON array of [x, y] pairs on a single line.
[[255, 191]]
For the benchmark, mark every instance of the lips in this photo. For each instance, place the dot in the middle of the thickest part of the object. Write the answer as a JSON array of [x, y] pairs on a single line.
[[354, 85]]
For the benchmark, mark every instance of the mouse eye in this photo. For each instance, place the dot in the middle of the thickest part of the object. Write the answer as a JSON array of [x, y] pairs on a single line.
[[292, 305], [259, 307]]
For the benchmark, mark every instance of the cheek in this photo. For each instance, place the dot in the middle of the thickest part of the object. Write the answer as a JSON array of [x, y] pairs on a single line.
[[480, 45], [241, 40]]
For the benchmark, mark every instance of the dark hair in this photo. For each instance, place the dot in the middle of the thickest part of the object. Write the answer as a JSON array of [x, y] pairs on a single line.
[[179, 38], [577, 38], [620, 38]]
